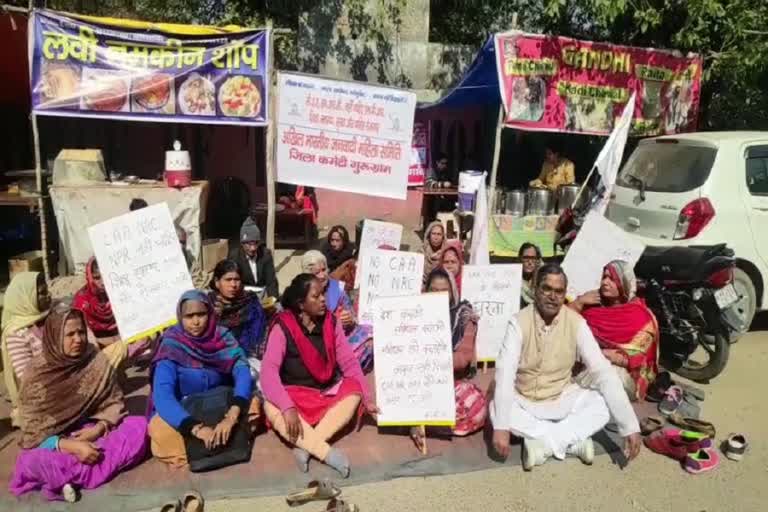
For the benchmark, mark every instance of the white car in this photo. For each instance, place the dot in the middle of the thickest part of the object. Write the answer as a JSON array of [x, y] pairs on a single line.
[[703, 189]]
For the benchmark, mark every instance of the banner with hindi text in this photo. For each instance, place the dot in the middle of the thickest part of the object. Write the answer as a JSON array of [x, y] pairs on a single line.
[[122, 69]]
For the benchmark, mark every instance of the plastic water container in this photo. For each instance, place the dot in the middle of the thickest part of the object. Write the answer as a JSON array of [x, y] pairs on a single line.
[[178, 167], [469, 182]]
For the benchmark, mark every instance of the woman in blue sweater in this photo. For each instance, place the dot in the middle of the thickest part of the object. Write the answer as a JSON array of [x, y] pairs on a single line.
[[195, 356]]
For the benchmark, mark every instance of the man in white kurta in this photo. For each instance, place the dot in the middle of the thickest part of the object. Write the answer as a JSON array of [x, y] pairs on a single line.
[[535, 397]]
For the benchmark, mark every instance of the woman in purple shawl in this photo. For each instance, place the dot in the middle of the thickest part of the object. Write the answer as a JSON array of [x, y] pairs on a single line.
[[195, 356]]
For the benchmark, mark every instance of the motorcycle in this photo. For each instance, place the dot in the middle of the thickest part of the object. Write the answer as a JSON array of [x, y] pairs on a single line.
[[688, 289]]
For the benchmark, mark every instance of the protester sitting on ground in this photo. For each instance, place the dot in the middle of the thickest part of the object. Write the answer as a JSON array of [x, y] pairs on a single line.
[[337, 248], [338, 303], [535, 397], [471, 406], [76, 433], [195, 356], [434, 242], [452, 260], [312, 382], [256, 264], [238, 310], [25, 307], [530, 256], [93, 302], [624, 327]]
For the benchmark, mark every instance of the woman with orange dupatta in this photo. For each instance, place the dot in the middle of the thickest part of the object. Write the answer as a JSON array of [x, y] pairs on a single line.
[[452, 261], [624, 327]]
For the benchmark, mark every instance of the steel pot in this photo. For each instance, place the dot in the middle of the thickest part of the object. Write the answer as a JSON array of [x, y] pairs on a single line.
[[515, 203], [566, 194], [540, 202]]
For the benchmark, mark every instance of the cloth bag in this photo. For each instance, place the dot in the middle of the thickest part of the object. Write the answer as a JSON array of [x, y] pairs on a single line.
[[210, 407]]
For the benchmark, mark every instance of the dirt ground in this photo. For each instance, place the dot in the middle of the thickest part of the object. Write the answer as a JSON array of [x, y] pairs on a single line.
[[734, 403]]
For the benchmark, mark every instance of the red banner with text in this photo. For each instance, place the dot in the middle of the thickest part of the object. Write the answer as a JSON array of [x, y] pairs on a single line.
[[550, 83]]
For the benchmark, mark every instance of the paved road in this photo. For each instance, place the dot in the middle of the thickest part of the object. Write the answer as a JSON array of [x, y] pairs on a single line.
[[735, 402]]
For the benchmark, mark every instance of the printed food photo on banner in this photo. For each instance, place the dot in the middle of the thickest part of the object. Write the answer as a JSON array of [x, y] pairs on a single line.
[[105, 68], [558, 84]]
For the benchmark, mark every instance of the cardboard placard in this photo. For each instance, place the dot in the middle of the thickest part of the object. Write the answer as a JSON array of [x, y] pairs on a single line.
[[598, 243], [375, 234], [143, 268], [414, 361], [494, 292], [388, 274]]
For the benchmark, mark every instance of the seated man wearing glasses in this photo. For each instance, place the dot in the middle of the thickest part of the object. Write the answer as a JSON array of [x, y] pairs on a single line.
[[535, 397]]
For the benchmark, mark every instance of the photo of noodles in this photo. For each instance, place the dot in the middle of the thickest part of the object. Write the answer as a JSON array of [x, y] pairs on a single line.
[[197, 96], [153, 93], [104, 91], [60, 84], [239, 97]]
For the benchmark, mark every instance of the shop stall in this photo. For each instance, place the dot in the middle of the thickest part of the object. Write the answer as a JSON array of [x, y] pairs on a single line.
[[115, 69]]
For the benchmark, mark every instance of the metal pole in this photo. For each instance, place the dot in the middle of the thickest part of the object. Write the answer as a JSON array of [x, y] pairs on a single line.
[[40, 199], [270, 143]]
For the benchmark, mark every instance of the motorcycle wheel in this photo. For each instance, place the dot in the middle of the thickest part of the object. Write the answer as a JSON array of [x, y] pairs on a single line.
[[717, 347]]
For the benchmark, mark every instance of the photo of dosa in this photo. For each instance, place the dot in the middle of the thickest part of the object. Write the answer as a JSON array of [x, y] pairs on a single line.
[[153, 93], [104, 90], [60, 85], [239, 97]]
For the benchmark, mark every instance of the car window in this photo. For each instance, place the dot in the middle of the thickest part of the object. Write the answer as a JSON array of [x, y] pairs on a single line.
[[757, 175], [668, 167]]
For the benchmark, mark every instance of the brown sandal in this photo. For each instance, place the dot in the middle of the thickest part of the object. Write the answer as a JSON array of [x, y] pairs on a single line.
[[650, 425], [317, 490], [341, 506], [701, 426]]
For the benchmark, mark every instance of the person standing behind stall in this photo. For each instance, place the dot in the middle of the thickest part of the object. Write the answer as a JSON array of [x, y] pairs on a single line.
[[439, 177], [257, 268], [555, 171]]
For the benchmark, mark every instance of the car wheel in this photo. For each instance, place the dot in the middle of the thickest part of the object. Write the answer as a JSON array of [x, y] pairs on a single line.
[[739, 316]]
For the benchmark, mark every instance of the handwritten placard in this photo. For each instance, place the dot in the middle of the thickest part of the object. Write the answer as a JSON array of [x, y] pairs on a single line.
[[143, 268], [388, 274], [375, 234], [414, 361], [494, 292], [599, 242]]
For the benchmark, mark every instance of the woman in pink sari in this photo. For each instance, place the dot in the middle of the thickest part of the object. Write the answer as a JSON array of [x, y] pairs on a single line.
[[624, 327]]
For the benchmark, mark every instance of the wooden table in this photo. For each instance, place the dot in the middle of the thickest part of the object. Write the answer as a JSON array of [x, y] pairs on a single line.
[[428, 194], [8, 199]]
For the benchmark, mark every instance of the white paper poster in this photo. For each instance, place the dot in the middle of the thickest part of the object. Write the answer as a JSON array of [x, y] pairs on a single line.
[[375, 234], [346, 136], [599, 242], [388, 274], [414, 361], [143, 268], [494, 292]]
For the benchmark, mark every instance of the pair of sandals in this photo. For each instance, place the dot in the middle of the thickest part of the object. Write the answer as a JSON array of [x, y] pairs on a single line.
[[651, 424], [192, 501], [321, 490]]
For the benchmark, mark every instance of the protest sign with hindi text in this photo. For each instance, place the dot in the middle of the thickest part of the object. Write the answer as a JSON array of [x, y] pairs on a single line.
[[494, 292], [143, 269], [414, 361], [388, 274], [346, 136]]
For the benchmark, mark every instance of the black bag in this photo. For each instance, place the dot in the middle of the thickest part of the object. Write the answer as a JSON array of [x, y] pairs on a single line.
[[210, 408]]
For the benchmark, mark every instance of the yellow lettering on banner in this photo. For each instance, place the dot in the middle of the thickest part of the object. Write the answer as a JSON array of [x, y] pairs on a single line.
[[193, 56], [60, 46], [231, 55], [603, 60]]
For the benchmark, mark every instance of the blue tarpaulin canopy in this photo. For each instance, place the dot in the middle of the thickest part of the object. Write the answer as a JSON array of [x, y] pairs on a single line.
[[478, 87]]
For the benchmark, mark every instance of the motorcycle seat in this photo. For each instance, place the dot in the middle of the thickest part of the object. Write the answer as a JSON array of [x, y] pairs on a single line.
[[678, 263]]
